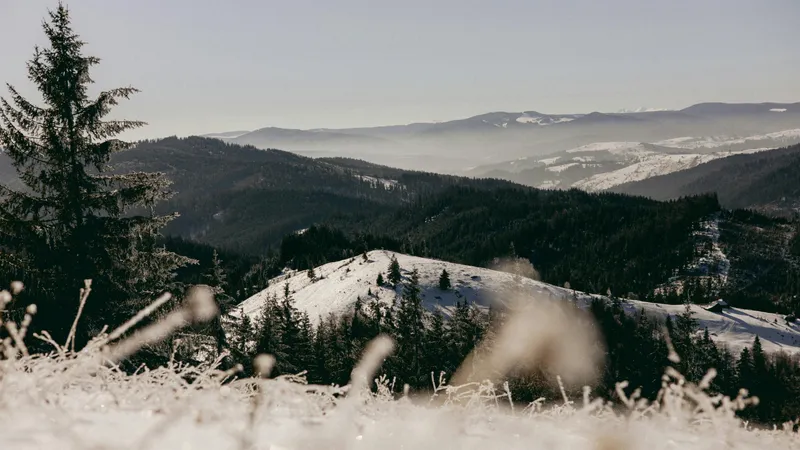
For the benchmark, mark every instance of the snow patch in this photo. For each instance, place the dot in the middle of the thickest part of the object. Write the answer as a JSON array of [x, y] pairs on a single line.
[[379, 182], [612, 147], [542, 120], [548, 161], [561, 168], [781, 137]]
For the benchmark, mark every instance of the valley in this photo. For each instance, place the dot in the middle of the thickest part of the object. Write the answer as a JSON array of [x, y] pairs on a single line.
[[460, 146], [280, 271]]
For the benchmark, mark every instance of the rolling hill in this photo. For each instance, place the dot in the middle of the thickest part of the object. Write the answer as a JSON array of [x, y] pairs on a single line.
[[604, 165], [767, 181], [245, 198], [339, 284]]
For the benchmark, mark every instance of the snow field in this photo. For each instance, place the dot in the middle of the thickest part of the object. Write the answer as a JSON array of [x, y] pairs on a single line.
[[82, 400], [340, 283]]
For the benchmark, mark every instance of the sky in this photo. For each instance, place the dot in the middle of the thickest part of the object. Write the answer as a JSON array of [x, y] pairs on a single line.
[[209, 66]]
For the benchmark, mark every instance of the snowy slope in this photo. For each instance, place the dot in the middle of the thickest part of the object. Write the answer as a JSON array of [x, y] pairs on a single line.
[[341, 283], [778, 137], [650, 167], [602, 165], [615, 148]]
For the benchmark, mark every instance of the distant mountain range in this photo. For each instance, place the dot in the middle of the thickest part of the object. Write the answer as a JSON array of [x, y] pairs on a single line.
[[488, 139]]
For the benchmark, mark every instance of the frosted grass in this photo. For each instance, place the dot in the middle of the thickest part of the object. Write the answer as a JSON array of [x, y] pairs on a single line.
[[82, 400]]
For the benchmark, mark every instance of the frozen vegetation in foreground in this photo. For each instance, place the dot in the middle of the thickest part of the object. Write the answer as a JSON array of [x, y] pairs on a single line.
[[81, 400]]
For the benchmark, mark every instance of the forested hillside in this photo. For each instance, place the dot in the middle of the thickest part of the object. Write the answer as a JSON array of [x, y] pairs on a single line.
[[767, 181], [256, 202], [247, 199]]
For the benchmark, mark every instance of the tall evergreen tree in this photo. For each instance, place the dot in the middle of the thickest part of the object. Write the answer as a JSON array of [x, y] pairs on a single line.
[[216, 278], [243, 335], [270, 333], [435, 347], [395, 276], [465, 331], [73, 220], [410, 331], [444, 280]]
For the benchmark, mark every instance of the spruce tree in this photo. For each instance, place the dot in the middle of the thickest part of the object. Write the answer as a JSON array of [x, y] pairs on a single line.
[[243, 335], [270, 331], [73, 219], [395, 276], [292, 336], [216, 279], [311, 274], [380, 281], [465, 331], [319, 372], [435, 348], [444, 281], [410, 331]]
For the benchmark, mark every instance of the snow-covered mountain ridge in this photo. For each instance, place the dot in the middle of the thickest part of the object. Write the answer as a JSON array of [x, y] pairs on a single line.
[[338, 285], [603, 165]]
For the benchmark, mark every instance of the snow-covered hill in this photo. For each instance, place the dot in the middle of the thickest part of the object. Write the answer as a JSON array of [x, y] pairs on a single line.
[[604, 165], [339, 284]]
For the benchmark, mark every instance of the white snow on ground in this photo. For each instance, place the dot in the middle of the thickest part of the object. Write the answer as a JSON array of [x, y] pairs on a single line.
[[382, 182], [549, 184], [785, 136], [343, 281], [612, 147], [73, 404], [548, 161], [561, 168], [715, 261], [542, 120], [660, 164], [653, 165]]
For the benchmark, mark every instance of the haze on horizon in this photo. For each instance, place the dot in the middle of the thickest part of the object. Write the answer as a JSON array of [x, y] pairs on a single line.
[[205, 66]]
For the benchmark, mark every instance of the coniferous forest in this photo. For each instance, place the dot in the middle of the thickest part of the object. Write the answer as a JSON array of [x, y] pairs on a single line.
[[138, 221]]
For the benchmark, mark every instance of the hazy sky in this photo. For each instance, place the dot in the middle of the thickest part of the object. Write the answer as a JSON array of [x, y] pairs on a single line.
[[213, 65]]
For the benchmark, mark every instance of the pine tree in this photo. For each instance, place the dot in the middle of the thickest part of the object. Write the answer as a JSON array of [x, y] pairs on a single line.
[[319, 372], [291, 335], [270, 332], [73, 220], [243, 335], [465, 330], [216, 279], [410, 331], [380, 281], [304, 348], [435, 347], [745, 372], [311, 274], [683, 339], [444, 281], [395, 276], [375, 322], [360, 327]]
